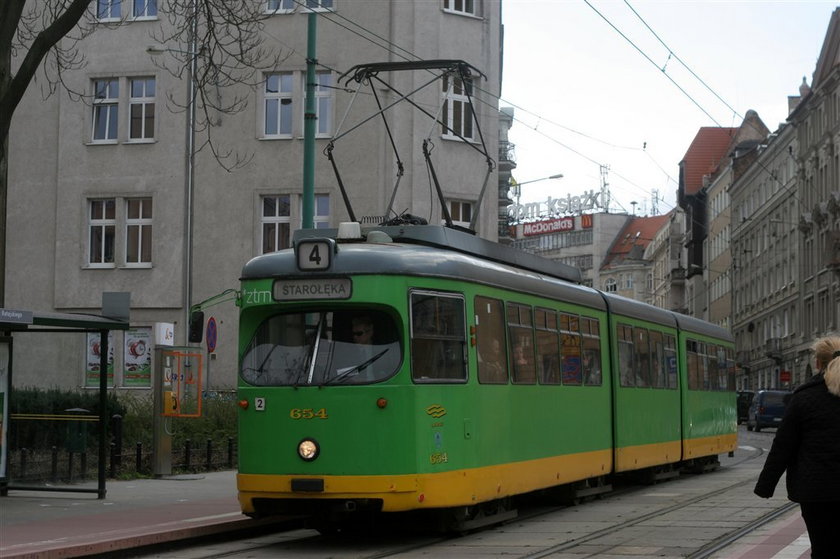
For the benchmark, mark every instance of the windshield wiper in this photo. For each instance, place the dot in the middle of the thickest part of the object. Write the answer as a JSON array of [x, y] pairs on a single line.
[[356, 369], [309, 364]]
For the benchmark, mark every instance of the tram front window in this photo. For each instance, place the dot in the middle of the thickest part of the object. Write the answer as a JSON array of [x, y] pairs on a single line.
[[322, 348]]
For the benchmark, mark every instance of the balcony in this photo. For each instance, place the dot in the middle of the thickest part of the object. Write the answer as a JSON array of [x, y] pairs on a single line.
[[773, 348], [507, 157], [678, 275]]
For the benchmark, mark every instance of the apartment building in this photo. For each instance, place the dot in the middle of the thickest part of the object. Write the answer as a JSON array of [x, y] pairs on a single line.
[[103, 195]]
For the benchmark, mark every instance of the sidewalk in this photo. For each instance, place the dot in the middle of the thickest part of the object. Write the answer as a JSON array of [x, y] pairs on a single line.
[[145, 512], [134, 513], [786, 538]]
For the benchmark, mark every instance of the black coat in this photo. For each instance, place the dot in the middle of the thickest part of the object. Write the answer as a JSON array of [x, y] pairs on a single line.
[[807, 445]]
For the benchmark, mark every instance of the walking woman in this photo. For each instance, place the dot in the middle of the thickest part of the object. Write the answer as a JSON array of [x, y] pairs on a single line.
[[807, 445]]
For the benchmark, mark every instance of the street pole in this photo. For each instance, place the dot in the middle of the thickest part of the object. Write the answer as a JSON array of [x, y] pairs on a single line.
[[189, 172], [309, 119]]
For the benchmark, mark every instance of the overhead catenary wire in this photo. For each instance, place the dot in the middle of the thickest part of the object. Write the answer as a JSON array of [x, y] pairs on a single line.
[[395, 49], [663, 69], [405, 54]]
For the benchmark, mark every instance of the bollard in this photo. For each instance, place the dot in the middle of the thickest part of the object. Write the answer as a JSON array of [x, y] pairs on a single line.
[[54, 470], [116, 433], [230, 452], [187, 455], [23, 463], [209, 455], [138, 465], [113, 462]]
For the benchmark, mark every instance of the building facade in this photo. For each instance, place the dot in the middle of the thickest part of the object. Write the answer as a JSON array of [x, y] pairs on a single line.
[[765, 264], [786, 244], [105, 198], [667, 258], [816, 122], [581, 240]]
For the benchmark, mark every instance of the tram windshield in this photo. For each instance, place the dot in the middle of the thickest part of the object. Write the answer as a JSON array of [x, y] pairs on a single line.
[[322, 348]]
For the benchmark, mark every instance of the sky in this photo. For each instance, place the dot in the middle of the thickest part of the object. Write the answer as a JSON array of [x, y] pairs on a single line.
[[584, 96]]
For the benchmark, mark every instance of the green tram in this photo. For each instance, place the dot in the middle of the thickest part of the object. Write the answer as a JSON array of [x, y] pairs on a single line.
[[419, 367]]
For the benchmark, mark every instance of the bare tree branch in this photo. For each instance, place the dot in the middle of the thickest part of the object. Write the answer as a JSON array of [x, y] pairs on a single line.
[[222, 40]]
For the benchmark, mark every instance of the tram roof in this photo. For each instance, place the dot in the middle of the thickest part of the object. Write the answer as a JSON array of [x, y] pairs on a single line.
[[697, 326], [460, 241], [439, 252], [636, 309]]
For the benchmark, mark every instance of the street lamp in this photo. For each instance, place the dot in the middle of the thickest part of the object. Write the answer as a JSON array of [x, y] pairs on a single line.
[[189, 164], [518, 185]]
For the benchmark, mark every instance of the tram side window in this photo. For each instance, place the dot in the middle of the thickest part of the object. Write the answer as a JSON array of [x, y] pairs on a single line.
[[625, 355], [570, 336], [713, 369], [692, 360], [671, 360], [730, 369], [658, 376], [722, 370], [698, 365], [548, 346], [521, 333], [438, 337], [591, 356], [490, 341], [643, 355]]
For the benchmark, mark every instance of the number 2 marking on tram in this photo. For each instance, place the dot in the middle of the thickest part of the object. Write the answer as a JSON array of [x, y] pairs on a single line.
[[259, 404]]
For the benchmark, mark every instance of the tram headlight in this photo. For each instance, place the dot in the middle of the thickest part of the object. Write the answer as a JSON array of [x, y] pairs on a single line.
[[308, 449]]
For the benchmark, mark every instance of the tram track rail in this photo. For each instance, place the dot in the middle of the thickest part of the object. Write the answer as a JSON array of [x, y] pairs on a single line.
[[295, 541], [635, 521]]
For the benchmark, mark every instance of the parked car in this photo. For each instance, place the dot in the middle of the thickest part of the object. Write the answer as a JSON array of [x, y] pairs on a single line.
[[745, 398], [767, 409]]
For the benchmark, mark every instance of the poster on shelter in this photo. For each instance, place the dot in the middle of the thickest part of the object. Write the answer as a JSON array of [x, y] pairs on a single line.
[[93, 359], [5, 354], [137, 358]]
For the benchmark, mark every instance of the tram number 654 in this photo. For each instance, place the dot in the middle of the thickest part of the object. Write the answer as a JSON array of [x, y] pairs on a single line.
[[308, 413]]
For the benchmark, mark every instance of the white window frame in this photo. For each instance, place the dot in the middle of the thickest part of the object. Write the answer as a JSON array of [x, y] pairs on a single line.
[[323, 103], [146, 103], [279, 97], [106, 106], [456, 212], [321, 220], [145, 7], [144, 224], [461, 7], [112, 10], [105, 226], [282, 6], [456, 106], [319, 5], [277, 221]]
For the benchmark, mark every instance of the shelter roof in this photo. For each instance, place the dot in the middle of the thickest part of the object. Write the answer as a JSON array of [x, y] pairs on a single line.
[[22, 320]]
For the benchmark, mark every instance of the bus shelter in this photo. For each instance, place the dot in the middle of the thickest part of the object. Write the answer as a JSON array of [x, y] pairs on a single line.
[[16, 321]]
